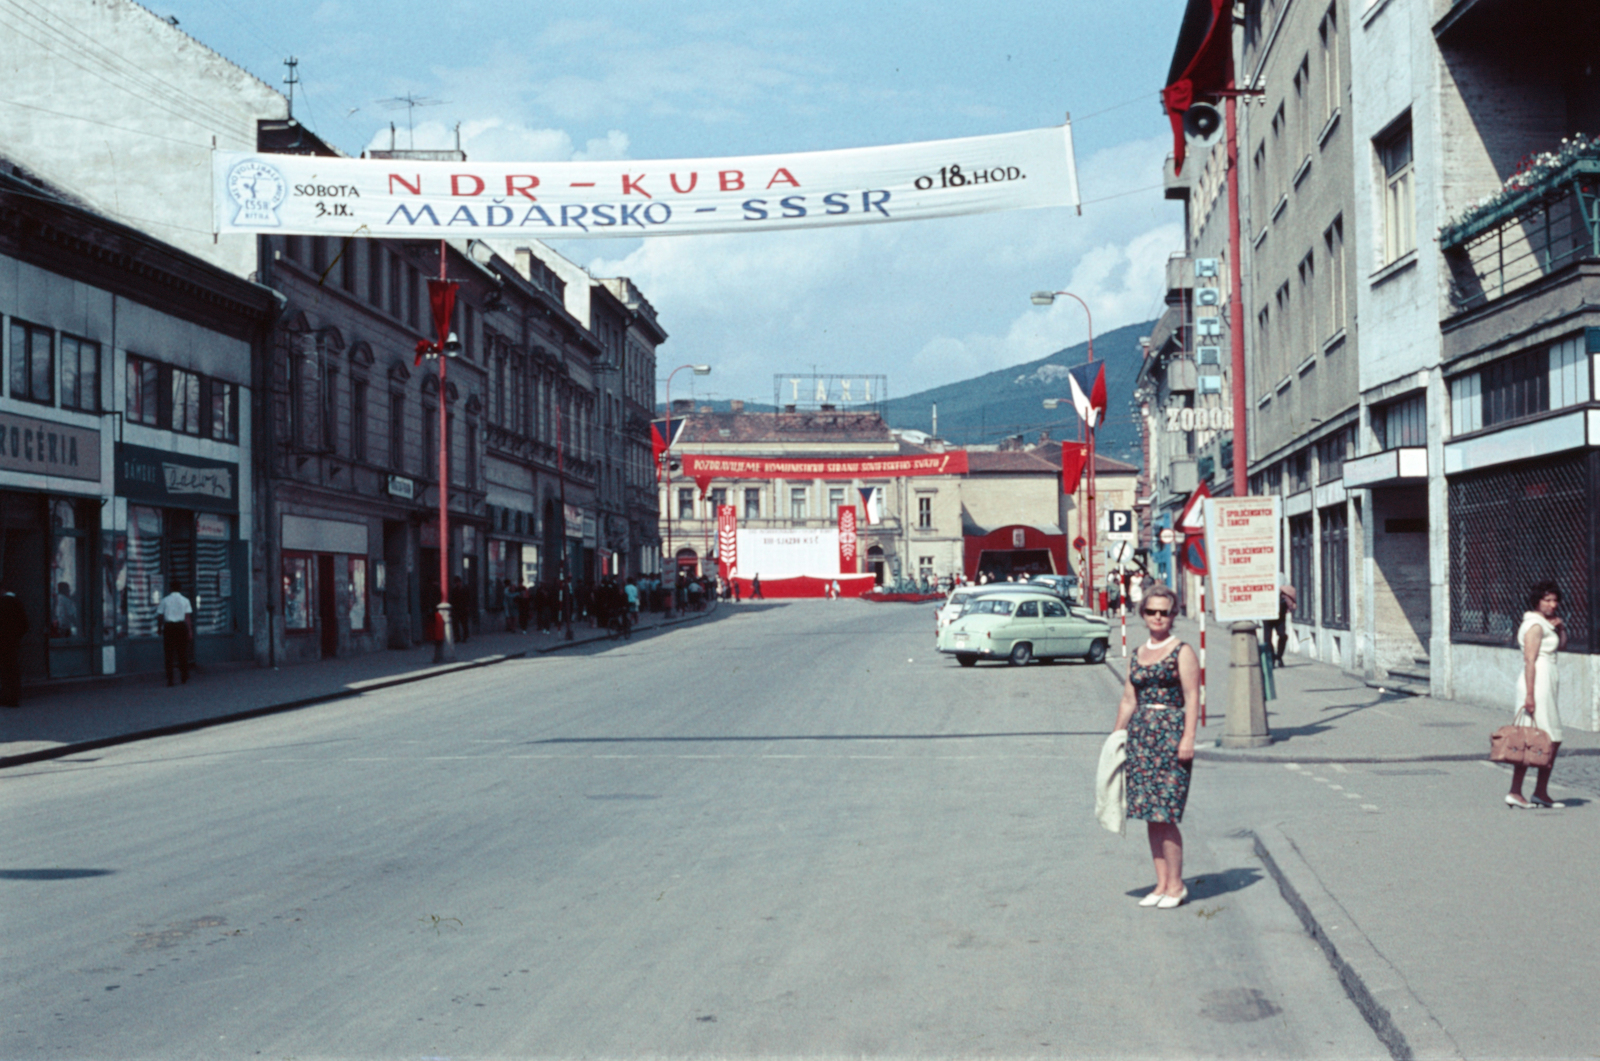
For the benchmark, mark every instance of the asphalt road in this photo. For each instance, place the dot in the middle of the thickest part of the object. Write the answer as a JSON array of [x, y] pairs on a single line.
[[790, 830]]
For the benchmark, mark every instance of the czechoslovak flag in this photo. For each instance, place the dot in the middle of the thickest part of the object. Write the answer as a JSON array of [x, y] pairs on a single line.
[[1089, 390], [870, 503]]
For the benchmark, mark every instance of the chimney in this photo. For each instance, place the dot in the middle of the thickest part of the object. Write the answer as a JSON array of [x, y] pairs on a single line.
[[1044, 436], [935, 419]]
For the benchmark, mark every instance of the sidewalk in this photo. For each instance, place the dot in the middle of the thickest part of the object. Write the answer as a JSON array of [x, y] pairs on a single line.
[[1323, 715], [1384, 826], [63, 719]]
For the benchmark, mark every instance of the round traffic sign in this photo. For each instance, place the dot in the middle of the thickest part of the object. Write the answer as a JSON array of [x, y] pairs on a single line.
[[1080, 543], [1168, 536]]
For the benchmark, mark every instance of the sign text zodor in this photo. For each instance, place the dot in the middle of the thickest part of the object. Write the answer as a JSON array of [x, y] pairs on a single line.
[[314, 195]]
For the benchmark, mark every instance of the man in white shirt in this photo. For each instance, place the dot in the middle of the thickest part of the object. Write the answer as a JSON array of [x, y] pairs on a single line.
[[177, 630]]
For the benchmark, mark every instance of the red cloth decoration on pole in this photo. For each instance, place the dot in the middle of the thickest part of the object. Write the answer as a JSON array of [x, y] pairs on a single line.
[[442, 301], [704, 483], [847, 539], [1208, 72], [1074, 456], [727, 542]]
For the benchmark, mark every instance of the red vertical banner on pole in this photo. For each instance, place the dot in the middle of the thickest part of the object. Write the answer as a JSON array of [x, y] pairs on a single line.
[[847, 539], [727, 542]]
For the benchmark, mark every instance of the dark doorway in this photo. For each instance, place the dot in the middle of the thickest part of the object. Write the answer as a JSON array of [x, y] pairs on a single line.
[[327, 607], [397, 583], [25, 571]]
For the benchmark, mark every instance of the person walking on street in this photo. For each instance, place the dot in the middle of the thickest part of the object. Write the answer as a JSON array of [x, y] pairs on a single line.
[[177, 630], [1278, 629], [458, 609], [1159, 710], [509, 596], [13, 628], [1541, 635], [755, 587]]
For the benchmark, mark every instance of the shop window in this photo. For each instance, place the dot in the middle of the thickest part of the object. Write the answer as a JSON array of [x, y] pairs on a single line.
[[145, 586], [144, 392], [296, 591], [80, 374], [1336, 568], [1302, 567], [32, 367], [69, 574], [212, 592], [358, 593], [185, 402], [1511, 527]]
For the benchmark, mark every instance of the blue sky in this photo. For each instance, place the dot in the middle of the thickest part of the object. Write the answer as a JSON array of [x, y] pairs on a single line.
[[923, 303]]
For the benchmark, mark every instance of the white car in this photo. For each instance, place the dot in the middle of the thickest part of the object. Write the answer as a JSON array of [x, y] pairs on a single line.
[[961, 601], [1022, 627]]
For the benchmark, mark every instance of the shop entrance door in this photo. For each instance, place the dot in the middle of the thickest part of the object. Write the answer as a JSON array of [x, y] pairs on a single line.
[[24, 570], [327, 607]]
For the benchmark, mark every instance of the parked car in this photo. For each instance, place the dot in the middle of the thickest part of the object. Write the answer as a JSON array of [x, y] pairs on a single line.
[[1021, 627], [1065, 585], [961, 599]]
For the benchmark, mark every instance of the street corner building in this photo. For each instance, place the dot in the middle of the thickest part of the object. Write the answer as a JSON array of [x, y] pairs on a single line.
[[1419, 270], [125, 428]]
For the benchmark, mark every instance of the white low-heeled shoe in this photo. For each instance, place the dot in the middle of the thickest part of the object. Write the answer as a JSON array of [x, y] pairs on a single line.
[[1518, 804], [1172, 902], [1152, 899]]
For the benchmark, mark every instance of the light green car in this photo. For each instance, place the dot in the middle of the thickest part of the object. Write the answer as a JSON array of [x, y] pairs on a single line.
[[1018, 627]]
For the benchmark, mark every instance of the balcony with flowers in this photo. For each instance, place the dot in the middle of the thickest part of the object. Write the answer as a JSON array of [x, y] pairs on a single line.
[[1543, 222]]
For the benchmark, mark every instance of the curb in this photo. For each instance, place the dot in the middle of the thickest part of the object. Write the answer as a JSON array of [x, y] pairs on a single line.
[[1380, 993], [342, 693]]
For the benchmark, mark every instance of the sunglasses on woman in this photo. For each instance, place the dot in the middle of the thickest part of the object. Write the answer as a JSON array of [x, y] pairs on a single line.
[[1163, 612]]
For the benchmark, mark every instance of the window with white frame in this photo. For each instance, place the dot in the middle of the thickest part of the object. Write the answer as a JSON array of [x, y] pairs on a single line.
[[1333, 240], [1399, 201], [797, 503], [1332, 86]]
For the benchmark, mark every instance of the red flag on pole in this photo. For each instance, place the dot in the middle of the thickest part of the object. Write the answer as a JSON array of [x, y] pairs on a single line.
[[1205, 47], [1074, 457]]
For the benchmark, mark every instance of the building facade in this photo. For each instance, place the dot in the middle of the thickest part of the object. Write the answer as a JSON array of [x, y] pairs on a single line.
[[125, 439]]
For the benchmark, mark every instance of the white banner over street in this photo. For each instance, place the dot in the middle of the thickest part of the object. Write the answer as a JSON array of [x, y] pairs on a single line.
[[312, 195]]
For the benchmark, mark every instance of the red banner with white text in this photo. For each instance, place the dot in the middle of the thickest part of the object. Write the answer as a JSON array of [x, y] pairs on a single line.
[[697, 465]]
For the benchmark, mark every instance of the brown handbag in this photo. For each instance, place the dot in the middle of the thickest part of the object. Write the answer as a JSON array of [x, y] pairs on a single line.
[[1524, 744]]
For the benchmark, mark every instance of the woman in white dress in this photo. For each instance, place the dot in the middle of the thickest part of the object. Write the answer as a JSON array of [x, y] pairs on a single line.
[[1541, 635]]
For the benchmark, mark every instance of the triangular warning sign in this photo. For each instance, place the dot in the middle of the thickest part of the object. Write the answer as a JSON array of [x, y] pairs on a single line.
[[1192, 519]]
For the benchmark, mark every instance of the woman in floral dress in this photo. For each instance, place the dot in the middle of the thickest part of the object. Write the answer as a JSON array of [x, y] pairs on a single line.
[[1160, 708]]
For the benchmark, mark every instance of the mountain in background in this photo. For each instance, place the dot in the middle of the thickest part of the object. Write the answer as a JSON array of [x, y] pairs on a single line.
[[1010, 401]]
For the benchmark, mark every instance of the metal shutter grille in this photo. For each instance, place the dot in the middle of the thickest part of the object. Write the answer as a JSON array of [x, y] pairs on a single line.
[[1509, 529]]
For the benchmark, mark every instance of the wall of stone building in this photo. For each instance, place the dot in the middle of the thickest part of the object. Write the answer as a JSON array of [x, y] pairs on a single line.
[[136, 144], [1487, 675], [994, 501]]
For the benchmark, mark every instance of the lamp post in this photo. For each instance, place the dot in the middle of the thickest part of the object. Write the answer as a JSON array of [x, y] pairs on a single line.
[[1086, 431], [666, 456]]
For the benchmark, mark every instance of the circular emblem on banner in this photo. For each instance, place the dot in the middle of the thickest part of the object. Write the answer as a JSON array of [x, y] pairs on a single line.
[[258, 189]]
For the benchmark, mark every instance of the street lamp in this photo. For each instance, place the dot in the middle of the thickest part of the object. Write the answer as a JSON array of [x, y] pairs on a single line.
[[666, 457], [1091, 597]]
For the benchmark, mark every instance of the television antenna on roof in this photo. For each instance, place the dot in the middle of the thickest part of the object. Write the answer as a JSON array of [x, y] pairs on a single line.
[[410, 103]]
